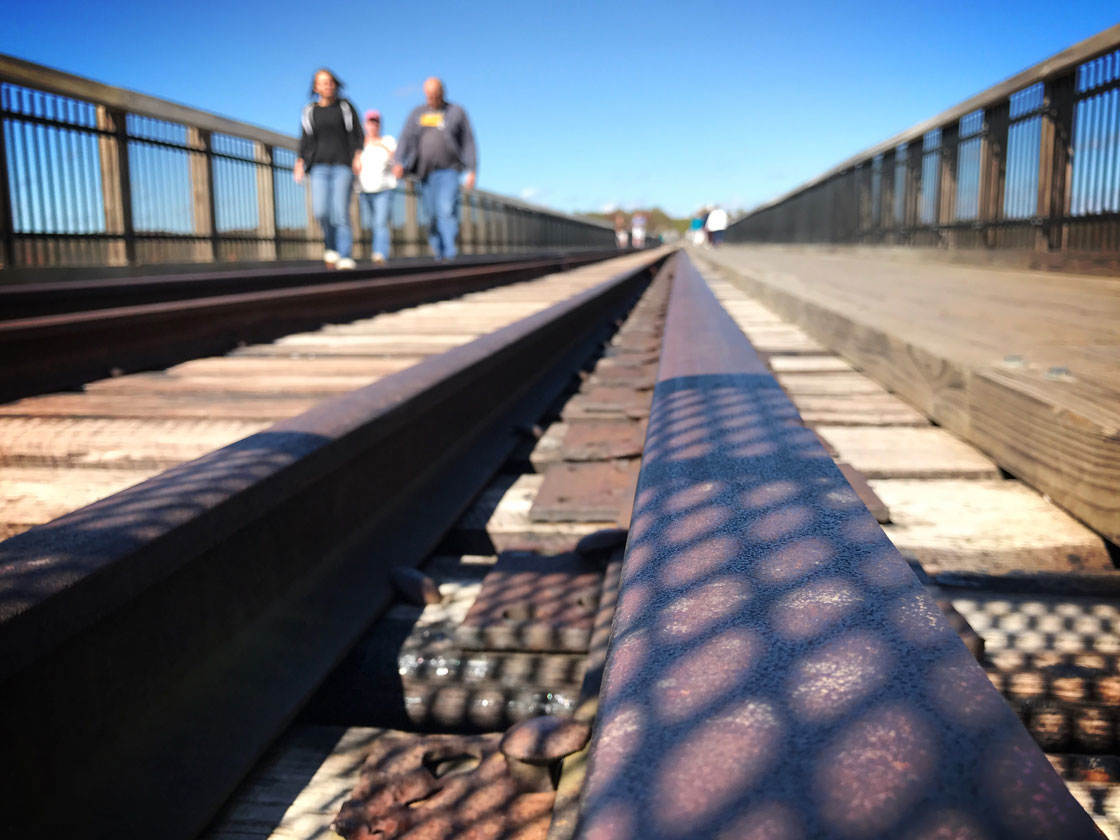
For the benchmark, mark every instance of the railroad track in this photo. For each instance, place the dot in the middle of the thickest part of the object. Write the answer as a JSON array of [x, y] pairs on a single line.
[[771, 656], [64, 450], [36, 299], [61, 335]]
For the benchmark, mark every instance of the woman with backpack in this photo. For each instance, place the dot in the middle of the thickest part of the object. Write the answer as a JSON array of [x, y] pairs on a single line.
[[330, 149]]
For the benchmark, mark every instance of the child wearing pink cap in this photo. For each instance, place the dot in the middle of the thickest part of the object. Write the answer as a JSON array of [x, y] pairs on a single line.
[[376, 183]]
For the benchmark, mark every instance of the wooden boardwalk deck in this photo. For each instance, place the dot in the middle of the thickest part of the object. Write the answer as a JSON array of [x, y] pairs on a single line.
[[1025, 365]]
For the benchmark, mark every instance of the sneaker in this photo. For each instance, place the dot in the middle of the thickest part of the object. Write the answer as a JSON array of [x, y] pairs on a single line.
[[379, 258], [330, 258], [345, 264]]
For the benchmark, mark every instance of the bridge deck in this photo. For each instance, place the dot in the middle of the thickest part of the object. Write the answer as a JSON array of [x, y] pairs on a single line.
[[1024, 364]]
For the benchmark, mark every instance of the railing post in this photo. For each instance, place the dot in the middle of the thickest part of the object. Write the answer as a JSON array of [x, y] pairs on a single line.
[[947, 184], [914, 154], [202, 194], [1054, 160], [886, 197], [116, 189], [863, 201], [311, 248], [7, 225], [993, 167], [356, 226], [411, 220], [269, 247], [466, 240]]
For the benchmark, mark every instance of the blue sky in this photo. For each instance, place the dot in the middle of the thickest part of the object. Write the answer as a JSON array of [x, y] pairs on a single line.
[[581, 106]]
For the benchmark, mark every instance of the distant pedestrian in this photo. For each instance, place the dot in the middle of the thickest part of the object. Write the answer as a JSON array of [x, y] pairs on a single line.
[[330, 147], [696, 229], [436, 144], [716, 224], [621, 234], [638, 230], [376, 183]]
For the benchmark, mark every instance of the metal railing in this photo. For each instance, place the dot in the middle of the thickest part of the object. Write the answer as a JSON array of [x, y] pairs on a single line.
[[92, 174], [1032, 163]]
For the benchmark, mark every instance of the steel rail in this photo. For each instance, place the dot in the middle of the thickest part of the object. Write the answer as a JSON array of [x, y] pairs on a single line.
[[58, 297], [54, 352], [775, 668], [152, 644]]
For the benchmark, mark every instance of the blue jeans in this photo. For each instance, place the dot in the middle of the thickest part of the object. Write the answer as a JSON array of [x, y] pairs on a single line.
[[439, 193], [331, 185], [375, 207]]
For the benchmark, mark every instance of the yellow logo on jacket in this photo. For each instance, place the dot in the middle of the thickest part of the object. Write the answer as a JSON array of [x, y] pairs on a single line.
[[432, 119]]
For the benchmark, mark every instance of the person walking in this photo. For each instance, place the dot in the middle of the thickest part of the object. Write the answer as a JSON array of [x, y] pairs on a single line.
[[436, 144], [376, 183], [716, 225], [330, 147], [621, 234]]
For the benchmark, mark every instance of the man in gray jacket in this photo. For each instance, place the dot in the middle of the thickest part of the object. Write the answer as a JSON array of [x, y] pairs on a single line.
[[435, 145]]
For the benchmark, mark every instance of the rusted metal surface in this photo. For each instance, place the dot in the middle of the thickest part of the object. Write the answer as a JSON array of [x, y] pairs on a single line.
[[603, 440], [414, 586], [534, 749], [867, 495], [439, 787], [602, 543], [545, 739], [123, 625], [61, 351], [68, 295], [533, 602], [597, 491], [775, 668]]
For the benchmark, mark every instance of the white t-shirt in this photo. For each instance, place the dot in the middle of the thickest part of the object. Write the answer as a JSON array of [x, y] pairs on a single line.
[[377, 174], [717, 219]]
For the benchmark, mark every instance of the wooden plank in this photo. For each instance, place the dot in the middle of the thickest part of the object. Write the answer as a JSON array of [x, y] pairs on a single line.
[[120, 443], [986, 527], [153, 384], [828, 383], [808, 364], [1059, 442], [298, 787], [904, 452], [499, 521], [223, 406], [1019, 363], [327, 366], [857, 410], [34, 495]]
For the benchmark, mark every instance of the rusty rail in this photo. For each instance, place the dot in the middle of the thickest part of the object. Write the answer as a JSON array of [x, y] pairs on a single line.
[[153, 643], [775, 668], [96, 174], [1032, 164], [53, 352], [37, 299]]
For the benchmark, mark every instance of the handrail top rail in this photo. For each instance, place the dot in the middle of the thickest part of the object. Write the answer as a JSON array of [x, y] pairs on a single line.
[[1055, 65], [49, 80]]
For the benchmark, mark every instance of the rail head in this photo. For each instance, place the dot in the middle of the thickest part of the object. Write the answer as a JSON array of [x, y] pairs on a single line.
[[775, 667]]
